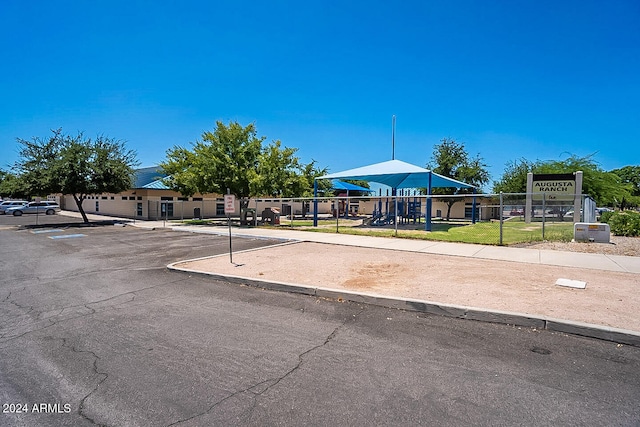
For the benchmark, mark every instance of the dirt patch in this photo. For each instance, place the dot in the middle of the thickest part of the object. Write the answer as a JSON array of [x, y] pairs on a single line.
[[611, 298], [372, 275]]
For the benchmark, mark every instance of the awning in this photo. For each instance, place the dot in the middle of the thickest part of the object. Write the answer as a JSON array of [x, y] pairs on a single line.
[[341, 185], [398, 174]]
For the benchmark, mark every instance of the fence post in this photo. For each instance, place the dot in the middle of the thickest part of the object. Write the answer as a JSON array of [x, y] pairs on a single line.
[[255, 216], [544, 213], [337, 209], [501, 220]]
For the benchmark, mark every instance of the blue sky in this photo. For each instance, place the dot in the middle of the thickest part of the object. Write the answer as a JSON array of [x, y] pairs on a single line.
[[510, 79]]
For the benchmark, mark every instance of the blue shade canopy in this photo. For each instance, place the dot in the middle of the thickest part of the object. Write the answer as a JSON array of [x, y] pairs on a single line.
[[144, 177], [398, 174], [341, 185]]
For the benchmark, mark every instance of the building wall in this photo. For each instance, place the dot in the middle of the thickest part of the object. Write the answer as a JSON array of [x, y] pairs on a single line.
[[152, 204]]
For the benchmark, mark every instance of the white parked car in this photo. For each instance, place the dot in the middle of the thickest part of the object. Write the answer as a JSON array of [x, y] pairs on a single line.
[[10, 204], [48, 208]]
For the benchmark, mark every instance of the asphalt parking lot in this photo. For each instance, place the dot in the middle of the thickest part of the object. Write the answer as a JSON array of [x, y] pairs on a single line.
[[96, 329]]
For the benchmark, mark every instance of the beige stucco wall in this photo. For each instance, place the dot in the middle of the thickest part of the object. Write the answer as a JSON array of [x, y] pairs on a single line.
[[125, 205]]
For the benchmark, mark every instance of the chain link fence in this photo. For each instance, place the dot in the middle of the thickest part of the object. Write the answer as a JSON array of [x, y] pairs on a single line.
[[496, 219]]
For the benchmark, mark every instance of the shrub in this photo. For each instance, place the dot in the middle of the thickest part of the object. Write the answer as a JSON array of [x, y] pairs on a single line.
[[626, 223], [605, 216]]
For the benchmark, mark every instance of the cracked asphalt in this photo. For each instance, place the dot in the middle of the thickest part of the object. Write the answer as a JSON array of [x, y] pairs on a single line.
[[97, 328]]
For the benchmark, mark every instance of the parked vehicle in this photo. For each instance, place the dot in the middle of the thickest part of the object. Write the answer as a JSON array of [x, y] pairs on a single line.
[[48, 208], [10, 204]]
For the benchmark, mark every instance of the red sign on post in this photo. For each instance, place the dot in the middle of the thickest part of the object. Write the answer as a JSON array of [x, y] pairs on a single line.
[[229, 204]]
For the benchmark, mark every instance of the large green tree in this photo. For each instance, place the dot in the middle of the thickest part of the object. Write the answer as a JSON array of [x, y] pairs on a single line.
[[514, 177], [451, 159], [12, 186], [630, 176], [75, 165], [233, 157]]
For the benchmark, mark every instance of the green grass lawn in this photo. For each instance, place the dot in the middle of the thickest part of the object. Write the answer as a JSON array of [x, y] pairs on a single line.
[[486, 233]]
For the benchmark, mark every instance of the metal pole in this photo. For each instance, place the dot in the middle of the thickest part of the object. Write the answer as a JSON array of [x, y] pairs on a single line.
[[473, 208], [428, 201], [393, 137], [544, 213], [395, 220], [255, 215], [501, 214], [229, 224], [337, 206], [315, 202]]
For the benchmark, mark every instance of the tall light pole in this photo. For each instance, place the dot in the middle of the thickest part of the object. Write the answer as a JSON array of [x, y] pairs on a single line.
[[393, 137]]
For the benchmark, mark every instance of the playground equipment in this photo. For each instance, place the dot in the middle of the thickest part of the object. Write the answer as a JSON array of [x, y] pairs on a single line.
[[271, 216], [406, 211]]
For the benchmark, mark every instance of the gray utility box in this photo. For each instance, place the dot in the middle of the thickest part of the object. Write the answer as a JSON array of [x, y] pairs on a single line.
[[591, 232]]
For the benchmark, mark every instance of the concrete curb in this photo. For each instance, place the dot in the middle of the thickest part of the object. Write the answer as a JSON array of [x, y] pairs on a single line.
[[606, 333]]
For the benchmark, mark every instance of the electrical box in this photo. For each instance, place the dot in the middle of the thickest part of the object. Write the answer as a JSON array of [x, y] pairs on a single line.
[[591, 232]]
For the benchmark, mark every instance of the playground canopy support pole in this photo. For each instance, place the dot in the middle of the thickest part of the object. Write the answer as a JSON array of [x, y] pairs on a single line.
[[473, 208], [395, 214], [427, 216], [315, 203]]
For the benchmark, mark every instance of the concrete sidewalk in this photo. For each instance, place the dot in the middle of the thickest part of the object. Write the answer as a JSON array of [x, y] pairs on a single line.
[[605, 262], [618, 263]]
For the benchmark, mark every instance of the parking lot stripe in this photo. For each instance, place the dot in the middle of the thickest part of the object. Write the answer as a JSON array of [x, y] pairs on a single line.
[[67, 236], [54, 230]]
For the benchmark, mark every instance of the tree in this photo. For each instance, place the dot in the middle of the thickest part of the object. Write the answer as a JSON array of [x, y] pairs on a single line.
[[12, 186], [233, 157], [310, 172], [226, 158], [75, 165], [279, 173], [451, 159], [514, 178], [629, 175]]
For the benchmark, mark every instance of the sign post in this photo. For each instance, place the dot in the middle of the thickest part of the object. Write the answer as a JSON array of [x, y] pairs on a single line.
[[229, 208]]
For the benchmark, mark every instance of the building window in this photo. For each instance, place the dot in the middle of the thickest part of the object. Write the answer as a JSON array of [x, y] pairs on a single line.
[[139, 209], [112, 198], [468, 210], [104, 197], [166, 209], [197, 199], [219, 208], [97, 206], [139, 197], [183, 199], [132, 197], [124, 197]]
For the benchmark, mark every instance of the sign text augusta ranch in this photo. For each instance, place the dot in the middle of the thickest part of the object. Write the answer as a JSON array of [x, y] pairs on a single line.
[[560, 187], [555, 189]]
